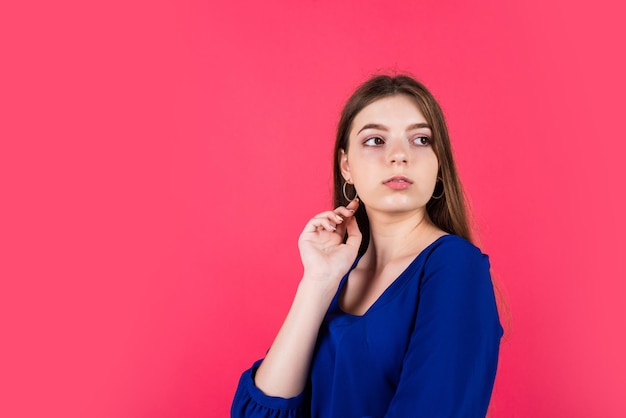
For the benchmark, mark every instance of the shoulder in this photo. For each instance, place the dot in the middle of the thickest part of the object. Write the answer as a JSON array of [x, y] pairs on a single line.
[[452, 247], [453, 257], [450, 242]]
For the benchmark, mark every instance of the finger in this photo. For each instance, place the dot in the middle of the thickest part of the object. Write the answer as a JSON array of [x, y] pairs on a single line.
[[317, 224], [332, 217], [354, 234], [349, 209], [348, 213], [353, 205], [344, 212]]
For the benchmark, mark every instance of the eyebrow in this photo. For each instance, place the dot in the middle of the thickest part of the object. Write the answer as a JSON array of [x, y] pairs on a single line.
[[384, 128]]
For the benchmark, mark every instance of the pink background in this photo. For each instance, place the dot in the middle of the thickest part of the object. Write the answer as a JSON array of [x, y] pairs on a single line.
[[158, 160]]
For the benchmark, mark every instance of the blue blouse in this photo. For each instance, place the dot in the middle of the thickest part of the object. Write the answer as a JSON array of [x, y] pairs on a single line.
[[428, 347]]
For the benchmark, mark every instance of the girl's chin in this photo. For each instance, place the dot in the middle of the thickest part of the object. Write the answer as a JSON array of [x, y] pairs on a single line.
[[395, 205]]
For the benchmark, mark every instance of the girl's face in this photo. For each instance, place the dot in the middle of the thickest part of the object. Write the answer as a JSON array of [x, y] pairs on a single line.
[[390, 158]]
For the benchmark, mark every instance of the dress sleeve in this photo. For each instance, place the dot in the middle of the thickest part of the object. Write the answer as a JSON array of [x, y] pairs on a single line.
[[450, 365], [250, 402]]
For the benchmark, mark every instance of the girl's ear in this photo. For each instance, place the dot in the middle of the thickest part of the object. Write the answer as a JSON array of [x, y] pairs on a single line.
[[344, 166]]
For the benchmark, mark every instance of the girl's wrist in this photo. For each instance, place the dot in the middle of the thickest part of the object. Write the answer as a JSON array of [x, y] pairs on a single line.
[[318, 291]]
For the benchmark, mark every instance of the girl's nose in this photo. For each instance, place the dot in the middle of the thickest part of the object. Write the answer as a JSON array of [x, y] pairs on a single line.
[[398, 154]]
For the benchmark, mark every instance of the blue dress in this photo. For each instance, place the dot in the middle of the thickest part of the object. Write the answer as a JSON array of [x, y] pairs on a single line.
[[428, 347]]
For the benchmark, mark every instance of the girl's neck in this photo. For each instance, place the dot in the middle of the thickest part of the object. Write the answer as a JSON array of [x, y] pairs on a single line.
[[395, 238]]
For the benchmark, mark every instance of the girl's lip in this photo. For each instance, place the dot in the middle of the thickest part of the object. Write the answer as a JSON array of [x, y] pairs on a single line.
[[398, 179]]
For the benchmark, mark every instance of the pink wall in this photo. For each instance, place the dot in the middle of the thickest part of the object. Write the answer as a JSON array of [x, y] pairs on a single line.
[[159, 159]]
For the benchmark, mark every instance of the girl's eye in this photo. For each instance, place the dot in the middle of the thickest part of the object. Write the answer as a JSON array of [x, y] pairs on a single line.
[[422, 140], [374, 141]]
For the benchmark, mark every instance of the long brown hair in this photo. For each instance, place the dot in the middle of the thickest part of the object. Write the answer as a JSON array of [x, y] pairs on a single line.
[[449, 212]]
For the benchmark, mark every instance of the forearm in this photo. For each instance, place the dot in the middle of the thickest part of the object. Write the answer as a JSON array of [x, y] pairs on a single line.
[[285, 369]]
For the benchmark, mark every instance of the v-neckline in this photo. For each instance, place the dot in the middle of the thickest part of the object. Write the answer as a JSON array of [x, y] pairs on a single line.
[[389, 290]]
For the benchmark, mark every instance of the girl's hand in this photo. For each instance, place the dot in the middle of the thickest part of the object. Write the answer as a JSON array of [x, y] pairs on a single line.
[[324, 255]]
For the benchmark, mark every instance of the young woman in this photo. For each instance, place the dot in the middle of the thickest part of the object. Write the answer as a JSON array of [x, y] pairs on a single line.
[[395, 315]]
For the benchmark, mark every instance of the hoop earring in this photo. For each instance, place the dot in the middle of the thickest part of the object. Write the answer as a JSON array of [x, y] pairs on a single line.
[[443, 190], [345, 183]]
